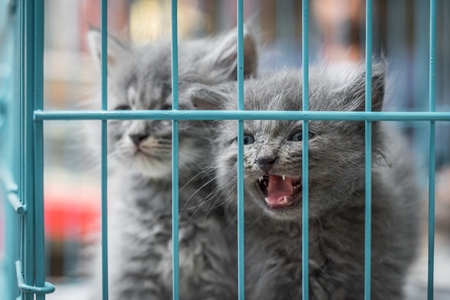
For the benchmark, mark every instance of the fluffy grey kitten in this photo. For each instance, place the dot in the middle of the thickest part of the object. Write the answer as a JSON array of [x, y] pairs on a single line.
[[140, 193], [273, 187]]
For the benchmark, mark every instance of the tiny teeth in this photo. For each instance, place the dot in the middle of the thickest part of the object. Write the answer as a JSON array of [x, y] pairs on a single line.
[[284, 177], [261, 178], [267, 200], [284, 200]]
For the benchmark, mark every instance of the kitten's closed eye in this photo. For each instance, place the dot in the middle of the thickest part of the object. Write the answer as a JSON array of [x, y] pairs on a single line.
[[122, 107], [298, 136], [166, 107]]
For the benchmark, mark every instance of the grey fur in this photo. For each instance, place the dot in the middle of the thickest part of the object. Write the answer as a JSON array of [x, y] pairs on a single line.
[[140, 242], [336, 187]]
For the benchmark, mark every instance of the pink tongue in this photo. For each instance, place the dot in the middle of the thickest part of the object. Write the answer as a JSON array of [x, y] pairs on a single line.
[[278, 189]]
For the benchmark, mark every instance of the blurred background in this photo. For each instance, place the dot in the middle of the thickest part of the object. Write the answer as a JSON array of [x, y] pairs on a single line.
[[337, 33]]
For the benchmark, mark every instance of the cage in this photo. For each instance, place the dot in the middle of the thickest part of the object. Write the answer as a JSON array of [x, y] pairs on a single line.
[[50, 206]]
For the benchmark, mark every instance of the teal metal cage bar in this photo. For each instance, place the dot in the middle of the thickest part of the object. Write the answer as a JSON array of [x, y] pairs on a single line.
[[305, 137], [175, 234], [240, 168], [26, 197], [368, 154], [104, 146], [432, 162]]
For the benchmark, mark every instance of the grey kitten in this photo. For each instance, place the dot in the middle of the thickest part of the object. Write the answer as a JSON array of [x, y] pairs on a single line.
[[140, 194], [273, 187]]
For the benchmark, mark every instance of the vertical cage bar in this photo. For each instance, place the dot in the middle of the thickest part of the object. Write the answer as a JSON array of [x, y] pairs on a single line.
[[432, 161], [305, 200], [368, 156], [104, 148], [38, 145], [175, 204], [445, 49], [21, 80], [16, 231], [27, 156], [240, 170], [21, 85], [444, 65], [431, 211]]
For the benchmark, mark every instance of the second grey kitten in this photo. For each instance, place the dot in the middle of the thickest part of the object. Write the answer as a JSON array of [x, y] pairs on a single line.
[[140, 157], [273, 188]]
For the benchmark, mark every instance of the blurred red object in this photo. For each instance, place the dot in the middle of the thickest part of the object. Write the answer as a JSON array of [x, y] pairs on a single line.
[[71, 215]]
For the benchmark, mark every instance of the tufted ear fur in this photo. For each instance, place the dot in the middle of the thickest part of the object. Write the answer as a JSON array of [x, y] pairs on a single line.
[[354, 94], [222, 62], [116, 50], [205, 97]]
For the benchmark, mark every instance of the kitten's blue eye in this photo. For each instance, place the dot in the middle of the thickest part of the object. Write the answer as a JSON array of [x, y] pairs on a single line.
[[123, 107], [248, 139], [297, 137]]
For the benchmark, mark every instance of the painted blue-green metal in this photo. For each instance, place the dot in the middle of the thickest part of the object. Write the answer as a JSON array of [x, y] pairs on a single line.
[[421, 62], [240, 215], [432, 161], [104, 148], [38, 147], [16, 204], [431, 212], [32, 253], [241, 115], [240, 161], [26, 188], [175, 209], [305, 136], [175, 200], [11, 189], [368, 156], [174, 64], [445, 74], [40, 291]]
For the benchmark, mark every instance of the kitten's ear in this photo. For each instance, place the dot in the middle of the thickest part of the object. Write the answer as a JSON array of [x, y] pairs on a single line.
[[206, 98], [356, 93], [221, 64], [116, 50]]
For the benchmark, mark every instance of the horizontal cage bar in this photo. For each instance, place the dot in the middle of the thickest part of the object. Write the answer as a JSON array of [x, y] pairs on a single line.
[[240, 115]]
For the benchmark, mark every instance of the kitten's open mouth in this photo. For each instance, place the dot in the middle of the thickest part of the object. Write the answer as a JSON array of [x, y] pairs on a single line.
[[280, 192]]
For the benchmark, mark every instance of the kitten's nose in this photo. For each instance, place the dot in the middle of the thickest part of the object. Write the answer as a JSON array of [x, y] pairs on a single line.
[[137, 138], [266, 162]]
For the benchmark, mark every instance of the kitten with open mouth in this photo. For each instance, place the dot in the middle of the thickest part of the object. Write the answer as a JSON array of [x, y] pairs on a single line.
[[336, 187], [280, 192]]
